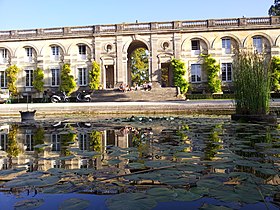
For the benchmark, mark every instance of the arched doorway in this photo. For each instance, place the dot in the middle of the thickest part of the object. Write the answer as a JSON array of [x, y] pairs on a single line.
[[138, 66]]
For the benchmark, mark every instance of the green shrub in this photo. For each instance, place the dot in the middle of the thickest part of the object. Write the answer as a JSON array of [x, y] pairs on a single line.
[[12, 72], [38, 82], [212, 69], [94, 76], [179, 73], [68, 84]]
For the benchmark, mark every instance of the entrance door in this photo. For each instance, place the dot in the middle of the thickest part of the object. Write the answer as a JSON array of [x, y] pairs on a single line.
[[166, 75], [110, 76]]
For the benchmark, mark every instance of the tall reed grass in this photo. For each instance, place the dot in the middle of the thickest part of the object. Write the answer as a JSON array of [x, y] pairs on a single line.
[[251, 83]]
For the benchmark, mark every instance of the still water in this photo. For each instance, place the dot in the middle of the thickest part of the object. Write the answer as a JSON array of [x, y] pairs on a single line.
[[139, 163]]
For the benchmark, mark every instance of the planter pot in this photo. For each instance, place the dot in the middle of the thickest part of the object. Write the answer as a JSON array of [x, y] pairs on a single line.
[[267, 118], [27, 116]]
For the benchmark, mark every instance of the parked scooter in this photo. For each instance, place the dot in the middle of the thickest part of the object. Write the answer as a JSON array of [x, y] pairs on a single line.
[[83, 97], [60, 98]]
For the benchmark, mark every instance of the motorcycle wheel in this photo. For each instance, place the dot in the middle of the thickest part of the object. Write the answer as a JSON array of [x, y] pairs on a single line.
[[54, 100], [87, 99]]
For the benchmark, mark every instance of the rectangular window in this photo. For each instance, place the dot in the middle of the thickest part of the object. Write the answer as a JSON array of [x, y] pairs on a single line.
[[257, 44], [28, 78], [29, 54], [227, 72], [3, 141], [55, 53], [29, 143], [226, 46], [82, 52], [82, 49], [82, 76], [83, 141], [55, 142], [195, 47], [3, 55], [55, 77], [195, 73], [3, 79]]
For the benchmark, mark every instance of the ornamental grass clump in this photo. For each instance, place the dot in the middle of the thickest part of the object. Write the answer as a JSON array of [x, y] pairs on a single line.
[[252, 83]]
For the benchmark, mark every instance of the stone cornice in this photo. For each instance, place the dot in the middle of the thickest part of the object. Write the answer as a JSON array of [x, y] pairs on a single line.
[[151, 27]]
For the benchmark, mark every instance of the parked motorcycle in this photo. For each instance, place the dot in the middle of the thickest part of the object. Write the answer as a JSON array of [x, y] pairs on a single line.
[[60, 98], [83, 97]]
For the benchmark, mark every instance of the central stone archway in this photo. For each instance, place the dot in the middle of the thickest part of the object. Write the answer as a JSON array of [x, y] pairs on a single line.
[[134, 45]]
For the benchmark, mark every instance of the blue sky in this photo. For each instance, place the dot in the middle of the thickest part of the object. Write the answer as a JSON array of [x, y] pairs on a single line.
[[29, 14]]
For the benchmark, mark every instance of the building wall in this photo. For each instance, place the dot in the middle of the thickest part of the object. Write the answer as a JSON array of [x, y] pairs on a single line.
[[109, 45]]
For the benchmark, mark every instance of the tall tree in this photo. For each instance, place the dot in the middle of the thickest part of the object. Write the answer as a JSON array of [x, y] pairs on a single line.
[[274, 10], [139, 66], [68, 83]]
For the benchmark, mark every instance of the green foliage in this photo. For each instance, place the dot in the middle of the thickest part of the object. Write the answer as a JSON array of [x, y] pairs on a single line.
[[179, 73], [12, 72], [139, 66], [94, 76], [212, 69], [251, 73], [13, 147], [38, 82], [275, 74], [274, 10], [95, 141], [39, 138], [67, 138], [68, 83]]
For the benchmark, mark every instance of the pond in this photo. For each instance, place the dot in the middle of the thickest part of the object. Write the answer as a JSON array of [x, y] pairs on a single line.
[[159, 162]]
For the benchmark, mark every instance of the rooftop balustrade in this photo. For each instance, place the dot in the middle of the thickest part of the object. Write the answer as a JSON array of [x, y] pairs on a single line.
[[141, 27]]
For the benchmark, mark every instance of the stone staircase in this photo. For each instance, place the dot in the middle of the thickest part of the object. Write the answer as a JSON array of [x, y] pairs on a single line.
[[156, 94]]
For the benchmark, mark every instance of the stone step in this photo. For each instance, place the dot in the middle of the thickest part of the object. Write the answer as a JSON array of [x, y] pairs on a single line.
[[156, 94]]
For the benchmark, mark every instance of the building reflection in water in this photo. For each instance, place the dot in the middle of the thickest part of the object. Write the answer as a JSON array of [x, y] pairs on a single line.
[[44, 147]]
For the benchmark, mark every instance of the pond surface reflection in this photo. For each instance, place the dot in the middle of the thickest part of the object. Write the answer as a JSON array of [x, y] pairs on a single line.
[[140, 163]]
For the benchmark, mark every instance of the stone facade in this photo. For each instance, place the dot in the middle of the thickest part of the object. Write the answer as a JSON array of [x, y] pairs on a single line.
[[111, 45]]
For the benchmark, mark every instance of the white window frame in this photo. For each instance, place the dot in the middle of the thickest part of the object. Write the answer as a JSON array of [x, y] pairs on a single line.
[[3, 79], [258, 44], [55, 78], [82, 51], [195, 48], [29, 54], [28, 78], [56, 142], [29, 141], [3, 141], [226, 69], [3, 55], [226, 45], [82, 76], [83, 141], [55, 53], [195, 73]]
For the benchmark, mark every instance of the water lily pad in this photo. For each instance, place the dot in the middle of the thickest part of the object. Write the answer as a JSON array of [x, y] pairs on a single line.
[[209, 183], [28, 204], [162, 194], [136, 166], [135, 201], [74, 204], [185, 195]]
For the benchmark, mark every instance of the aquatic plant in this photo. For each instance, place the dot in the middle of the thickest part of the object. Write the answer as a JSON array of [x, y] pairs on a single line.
[[251, 83]]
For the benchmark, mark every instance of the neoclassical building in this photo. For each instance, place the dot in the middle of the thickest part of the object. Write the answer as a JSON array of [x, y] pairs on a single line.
[[112, 45]]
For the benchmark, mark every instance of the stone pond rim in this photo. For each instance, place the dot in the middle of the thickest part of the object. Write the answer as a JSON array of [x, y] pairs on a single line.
[[266, 118]]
